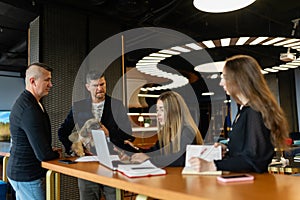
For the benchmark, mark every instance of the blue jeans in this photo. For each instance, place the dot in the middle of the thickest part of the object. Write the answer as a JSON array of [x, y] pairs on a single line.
[[33, 190]]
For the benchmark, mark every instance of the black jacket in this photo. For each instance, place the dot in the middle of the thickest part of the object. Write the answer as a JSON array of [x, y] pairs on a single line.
[[250, 147]]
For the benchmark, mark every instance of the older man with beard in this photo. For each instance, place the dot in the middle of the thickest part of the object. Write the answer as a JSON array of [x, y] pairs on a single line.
[[116, 126]]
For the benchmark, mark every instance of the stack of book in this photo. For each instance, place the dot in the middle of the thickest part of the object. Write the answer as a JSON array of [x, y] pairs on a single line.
[[140, 170], [297, 158]]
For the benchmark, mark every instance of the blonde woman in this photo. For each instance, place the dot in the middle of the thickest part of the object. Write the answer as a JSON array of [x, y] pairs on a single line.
[[176, 129], [259, 126]]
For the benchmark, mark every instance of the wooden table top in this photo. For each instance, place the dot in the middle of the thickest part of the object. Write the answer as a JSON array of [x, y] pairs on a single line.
[[174, 185]]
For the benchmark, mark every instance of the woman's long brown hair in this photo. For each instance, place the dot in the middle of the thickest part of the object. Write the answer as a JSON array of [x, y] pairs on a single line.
[[243, 75]]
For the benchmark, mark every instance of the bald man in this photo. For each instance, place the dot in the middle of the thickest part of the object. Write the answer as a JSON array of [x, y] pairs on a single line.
[[31, 136]]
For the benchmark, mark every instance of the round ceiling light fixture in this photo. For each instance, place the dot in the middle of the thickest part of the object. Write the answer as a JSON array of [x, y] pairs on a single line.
[[221, 6]]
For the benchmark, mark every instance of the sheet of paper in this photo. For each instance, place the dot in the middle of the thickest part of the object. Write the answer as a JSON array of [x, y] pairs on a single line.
[[87, 159], [114, 157], [95, 158]]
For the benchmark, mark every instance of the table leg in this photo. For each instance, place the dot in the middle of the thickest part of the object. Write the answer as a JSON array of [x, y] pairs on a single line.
[[119, 195], [57, 186], [141, 197], [52, 185], [5, 161]]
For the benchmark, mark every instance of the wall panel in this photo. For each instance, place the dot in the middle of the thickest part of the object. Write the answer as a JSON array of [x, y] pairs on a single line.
[[63, 46], [62, 37]]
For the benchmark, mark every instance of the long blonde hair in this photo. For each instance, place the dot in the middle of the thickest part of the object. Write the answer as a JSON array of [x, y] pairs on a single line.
[[176, 115], [244, 76]]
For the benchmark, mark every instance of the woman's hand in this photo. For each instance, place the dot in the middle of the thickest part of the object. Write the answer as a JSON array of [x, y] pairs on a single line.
[[122, 155], [58, 150], [201, 165], [139, 157], [131, 144], [87, 152], [223, 147]]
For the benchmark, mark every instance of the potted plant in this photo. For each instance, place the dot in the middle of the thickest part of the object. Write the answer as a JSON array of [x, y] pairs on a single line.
[[147, 122]]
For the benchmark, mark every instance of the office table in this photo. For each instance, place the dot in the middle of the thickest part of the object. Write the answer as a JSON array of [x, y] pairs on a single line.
[[4, 148], [174, 185], [4, 151]]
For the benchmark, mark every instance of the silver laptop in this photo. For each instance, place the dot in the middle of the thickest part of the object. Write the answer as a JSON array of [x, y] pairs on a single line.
[[104, 156]]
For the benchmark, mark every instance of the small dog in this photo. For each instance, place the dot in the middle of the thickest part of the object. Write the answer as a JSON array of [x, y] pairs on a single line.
[[83, 140], [77, 146]]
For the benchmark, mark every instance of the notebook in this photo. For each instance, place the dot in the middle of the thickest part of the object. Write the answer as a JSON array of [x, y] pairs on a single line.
[[206, 152], [113, 162]]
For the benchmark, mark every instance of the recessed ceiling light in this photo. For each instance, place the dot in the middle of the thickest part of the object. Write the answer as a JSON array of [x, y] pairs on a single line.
[[280, 68], [225, 42], [194, 46], [292, 44], [161, 55], [296, 47], [181, 49], [288, 41], [277, 39], [207, 93], [153, 58], [166, 51], [296, 61], [292, 65], [288, 66], [148, 95], [149, 61], [258, 40], [242, 40], [209, 44], [148, 64], [227, 101], [214, 76], [270, 70]]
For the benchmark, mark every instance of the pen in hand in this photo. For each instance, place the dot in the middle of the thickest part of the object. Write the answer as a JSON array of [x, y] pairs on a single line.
[[205, 152]]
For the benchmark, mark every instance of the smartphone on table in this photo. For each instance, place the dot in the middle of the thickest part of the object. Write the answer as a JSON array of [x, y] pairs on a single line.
[[66, 161], [235, 178]]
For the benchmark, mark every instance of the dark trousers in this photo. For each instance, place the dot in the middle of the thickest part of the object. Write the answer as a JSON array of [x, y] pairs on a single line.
[[92, 191]]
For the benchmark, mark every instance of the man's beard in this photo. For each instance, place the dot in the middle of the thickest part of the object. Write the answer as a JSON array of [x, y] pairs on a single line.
[[100, 96]]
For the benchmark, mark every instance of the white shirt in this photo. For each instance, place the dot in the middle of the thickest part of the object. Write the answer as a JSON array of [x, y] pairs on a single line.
[[97, 109]]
